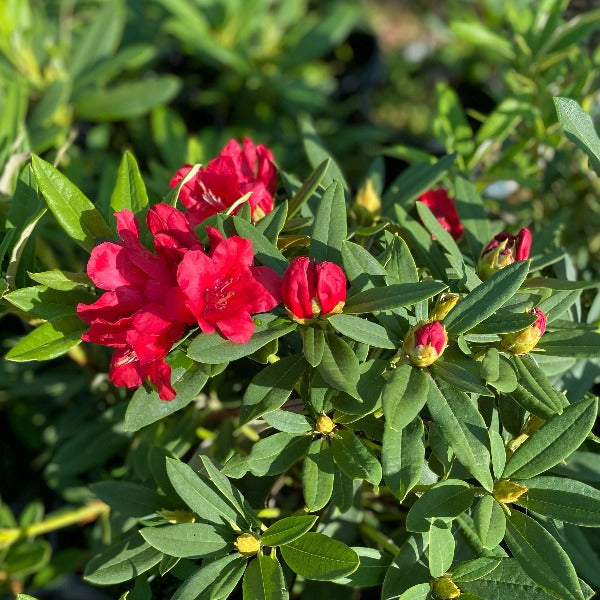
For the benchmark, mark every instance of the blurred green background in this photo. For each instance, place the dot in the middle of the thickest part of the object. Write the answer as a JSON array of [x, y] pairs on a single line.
[[82, 81]]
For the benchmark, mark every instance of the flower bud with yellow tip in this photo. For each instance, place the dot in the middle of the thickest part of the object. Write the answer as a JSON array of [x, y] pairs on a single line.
[[324, 425], [446, 302], [247, 544], [445, 588], [506, 491]]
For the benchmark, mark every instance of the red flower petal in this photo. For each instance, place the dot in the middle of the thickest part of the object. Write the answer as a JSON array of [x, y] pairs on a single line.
[[160, 376]]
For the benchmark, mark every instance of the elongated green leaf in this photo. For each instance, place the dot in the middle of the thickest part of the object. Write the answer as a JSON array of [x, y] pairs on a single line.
[[563, 499], [399, 263], [553, 441], [441, 547], [316, 556], [74, 212], [339, 365], [61, 280], [441, 235], [541, 557], [317, 475], [122, 561], [402, 455], [287, 530], [362, 330], [289, 422], [343, 490], [392, 296], [353, 458], [40, 301], [213, 349], [329, 227], [272, 223], [49, 340], [202, 497], [264, 580], [445, 500], [474, 569], [504, 323], [130, 191], [490, 522], [585, 344], [271, 387], [459, 377], [463, 429], [407, 568], [404, 395], [486, 298], [579, 128], [146, 407], [188, 539], [215, 579], [130, 499], [360, 266], [307, 189], [473, 215], [313, 340], [371, 572], [264, 250]]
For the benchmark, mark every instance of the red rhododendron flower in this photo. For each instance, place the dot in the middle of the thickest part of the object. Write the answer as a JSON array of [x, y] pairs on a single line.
[[444, 209], [425, 343], [143, 311], [223, 289], [235, 172], [312, 289], [504, 249], [524, 341]]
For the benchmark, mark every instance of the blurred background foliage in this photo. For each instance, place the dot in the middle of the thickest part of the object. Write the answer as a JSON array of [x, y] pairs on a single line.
[[82, 81]]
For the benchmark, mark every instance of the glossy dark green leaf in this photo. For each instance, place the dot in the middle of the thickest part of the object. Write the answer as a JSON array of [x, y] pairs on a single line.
[[542, 557], [553, 441], [474, 569], [490, 522], [287, 421], [371, 572], [404, 395], [287, 530], [317, 556], [339, 365], [306, 190], [130, 191], [271, 387], [264, 580], [329, 227], [353, 458], [44, 303], [486, 298], [313, 340], [129, 499], [317, 475], [441, 547], [585, 344], [407, 568], [364, 331], [265, 251], [188, 539], [74, 212]]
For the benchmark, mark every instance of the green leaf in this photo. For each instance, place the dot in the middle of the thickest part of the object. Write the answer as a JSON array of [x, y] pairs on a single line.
[[421, 591], [287, 530], [445, 500], [26, 557], [215, 579], [490, 522], [265, 251], [407, 568], [392, 296], [463, 429], [486, 298], [329, 227], [402, 457], [272, 223], [579, 128], [49, 340], [61, 280], [441, 547], [502, 322], [362, 330], [313, 340], [399, 262], [122, 561], [404, 395], [306, 190], [360, 266], [130, 191], [187, 539], [200, 495], [40, 301], [563, 499], [316, 556], [584, 344], [474, 569], [553, 441], [271, 387], [73, 211], [339, 365], [317, 475], [289, 422], [353, 458], [212, 349], [542, 557], [343, 490], [441, 235], [507, 378], [129, 499], [146, 407], [264, 580], [371, 572], [274, 454], [459, 377], [473, 215], [127, 100]]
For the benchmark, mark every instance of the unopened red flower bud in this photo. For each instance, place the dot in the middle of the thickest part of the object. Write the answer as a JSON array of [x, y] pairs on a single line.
[[524, 341], [313, 290], [424, 343], [503, 250]]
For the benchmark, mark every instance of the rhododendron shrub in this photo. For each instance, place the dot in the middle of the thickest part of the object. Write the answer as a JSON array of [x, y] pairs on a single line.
[[320, 400]]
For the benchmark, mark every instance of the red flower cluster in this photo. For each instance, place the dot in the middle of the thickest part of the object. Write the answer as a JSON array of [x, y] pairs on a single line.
[[150, 299], [444, 209], [225, 179]]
